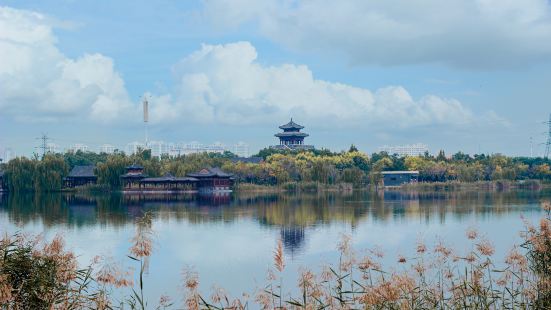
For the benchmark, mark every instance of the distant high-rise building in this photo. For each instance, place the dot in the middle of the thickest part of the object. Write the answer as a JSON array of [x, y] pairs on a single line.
[[241, 149], [107, 148], [52, 148], [79, 147], [174, 150], [134, 147], [9, 154], [158, 148], [417, 149], [194, 148]]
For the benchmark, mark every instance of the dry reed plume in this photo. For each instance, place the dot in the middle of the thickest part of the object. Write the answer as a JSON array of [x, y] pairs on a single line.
[[434, 278]]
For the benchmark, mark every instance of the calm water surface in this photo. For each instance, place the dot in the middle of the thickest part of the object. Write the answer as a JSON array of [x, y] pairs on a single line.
[[230, 240]]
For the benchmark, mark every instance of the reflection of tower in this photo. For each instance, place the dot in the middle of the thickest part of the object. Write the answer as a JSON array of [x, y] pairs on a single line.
[[548, 143], [292, 238]]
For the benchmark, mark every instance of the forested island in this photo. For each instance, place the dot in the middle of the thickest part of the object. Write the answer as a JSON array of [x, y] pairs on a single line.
[[307, 169]]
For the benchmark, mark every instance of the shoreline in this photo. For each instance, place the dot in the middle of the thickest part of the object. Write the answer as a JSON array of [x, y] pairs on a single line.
[[312, 187], [500, 185]]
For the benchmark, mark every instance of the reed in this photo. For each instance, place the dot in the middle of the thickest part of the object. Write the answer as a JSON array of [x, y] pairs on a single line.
[[435, 278], [36, 274]]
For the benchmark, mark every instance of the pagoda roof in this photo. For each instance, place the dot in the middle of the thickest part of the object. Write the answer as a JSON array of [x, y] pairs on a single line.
[[134, 176], [291, 134], [291, 125]]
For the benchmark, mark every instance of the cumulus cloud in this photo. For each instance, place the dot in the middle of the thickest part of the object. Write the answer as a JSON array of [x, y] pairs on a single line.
[[217, 83], [473, 34], [226, 84], [38, 82]]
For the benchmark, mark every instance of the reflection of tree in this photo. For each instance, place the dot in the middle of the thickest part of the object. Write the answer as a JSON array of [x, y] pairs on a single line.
[[285, 212]]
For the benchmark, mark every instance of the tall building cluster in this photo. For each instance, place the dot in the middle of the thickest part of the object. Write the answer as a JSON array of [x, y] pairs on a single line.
[[417, 149], [7, 155], [79, 147], [159, 148]]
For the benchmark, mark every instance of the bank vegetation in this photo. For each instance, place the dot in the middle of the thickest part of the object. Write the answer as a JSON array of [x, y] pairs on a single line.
[[292, 171]]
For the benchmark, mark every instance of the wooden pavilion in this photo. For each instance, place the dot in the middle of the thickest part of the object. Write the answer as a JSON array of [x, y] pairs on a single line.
[[80, 176]]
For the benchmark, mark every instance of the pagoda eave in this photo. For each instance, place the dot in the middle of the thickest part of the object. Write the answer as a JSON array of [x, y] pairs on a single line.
[[291, 135]]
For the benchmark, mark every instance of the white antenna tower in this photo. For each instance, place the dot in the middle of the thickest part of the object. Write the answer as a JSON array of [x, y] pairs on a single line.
[[548, 143], [146, 118]]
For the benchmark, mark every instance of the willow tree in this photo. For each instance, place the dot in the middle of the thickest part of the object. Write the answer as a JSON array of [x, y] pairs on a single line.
[[49, 173], [19, 174]]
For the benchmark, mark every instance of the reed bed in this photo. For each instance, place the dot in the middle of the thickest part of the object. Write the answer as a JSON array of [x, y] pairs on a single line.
[[36, 274]]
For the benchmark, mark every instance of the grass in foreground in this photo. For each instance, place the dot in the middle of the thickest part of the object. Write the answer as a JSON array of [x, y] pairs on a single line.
[[35, 274]]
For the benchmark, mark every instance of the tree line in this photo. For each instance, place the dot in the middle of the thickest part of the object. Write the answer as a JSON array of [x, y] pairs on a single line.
[[46, 173]]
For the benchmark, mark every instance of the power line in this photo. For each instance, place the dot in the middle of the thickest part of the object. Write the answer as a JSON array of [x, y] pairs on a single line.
[[44, 145]]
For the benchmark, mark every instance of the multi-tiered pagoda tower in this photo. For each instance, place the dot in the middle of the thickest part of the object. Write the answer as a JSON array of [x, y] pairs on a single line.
[[291, 137]]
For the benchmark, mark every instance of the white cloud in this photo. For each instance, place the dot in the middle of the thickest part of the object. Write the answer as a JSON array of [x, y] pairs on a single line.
[[474, 34], [38, 82], [226, 84], [217, 83]]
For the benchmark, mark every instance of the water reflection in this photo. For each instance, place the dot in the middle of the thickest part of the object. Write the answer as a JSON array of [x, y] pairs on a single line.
[[292, 214]]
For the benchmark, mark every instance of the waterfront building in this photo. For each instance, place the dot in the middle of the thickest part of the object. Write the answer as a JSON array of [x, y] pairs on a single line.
[[80, 176], [397, 178], [168, 183], [134, 174], [208, 180], [292, 138], [417, 149], [213, 180]]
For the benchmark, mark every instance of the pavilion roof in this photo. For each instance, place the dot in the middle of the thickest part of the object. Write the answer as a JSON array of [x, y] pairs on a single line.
[[135, 166], [133, 176], [82, 172], [210, 172], [169, 178], [291, 125], [400, 172]]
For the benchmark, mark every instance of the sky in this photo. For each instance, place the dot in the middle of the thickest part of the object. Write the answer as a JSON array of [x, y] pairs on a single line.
[[457, 75]]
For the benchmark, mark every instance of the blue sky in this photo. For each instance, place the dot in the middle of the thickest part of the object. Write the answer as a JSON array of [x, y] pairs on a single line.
[[461, 75]]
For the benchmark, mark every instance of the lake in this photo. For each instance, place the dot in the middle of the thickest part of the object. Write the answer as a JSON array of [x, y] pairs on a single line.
[[229, 240]]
